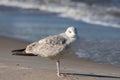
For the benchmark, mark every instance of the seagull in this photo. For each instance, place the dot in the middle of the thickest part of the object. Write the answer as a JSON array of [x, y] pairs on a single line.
[[53, 47]]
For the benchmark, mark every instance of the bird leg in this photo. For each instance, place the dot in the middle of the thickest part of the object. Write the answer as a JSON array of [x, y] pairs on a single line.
[[58, 68]]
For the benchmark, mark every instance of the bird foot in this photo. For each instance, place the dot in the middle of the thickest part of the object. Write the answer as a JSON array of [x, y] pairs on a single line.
[[61, 75]]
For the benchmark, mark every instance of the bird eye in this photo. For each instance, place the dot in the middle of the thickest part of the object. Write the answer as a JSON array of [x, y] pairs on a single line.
[[70, 32]]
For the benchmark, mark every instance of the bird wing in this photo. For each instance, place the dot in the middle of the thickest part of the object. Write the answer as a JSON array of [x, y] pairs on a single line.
[[50, 46]]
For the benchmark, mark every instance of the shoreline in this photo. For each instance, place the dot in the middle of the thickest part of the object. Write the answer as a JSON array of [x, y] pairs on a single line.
[[37, 68]]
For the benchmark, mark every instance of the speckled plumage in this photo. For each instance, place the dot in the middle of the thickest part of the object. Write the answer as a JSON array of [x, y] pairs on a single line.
[[54, 47]]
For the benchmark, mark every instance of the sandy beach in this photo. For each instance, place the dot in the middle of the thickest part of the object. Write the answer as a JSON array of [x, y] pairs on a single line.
[[36, 68]]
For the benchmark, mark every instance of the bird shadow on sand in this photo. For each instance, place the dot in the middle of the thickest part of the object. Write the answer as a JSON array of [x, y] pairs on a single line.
[[92, 75]]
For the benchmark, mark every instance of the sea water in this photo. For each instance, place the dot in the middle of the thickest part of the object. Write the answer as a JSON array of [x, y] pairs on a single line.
[[98, 26]]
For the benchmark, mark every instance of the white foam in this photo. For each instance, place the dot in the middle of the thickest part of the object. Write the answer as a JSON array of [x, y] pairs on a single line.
[[82, 54], [76, 11]]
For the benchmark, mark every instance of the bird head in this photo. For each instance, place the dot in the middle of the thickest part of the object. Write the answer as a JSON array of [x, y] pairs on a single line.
[[71, 32]]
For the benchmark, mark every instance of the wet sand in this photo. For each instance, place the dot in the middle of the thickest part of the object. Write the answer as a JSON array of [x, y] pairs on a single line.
[[36, 68]]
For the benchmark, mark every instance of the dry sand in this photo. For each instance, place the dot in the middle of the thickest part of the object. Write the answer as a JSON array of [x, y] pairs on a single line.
[[37, 68]]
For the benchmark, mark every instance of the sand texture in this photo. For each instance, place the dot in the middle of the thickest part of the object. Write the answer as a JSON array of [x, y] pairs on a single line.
[[36, 68]]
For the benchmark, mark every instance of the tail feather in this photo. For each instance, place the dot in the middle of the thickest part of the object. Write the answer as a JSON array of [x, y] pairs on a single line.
[[18, 50], [21, 52]]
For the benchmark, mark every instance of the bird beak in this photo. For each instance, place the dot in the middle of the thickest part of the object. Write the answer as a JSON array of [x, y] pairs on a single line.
[[74, 36]]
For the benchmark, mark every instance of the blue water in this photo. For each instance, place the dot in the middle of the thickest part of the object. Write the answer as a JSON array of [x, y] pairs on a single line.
[[99, 43]]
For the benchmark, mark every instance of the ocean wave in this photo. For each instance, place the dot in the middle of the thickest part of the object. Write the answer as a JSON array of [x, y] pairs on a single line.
[[102, 15], [101, 51]]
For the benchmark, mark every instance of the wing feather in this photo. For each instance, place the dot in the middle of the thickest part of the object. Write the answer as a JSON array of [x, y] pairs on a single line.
[[50, 46]]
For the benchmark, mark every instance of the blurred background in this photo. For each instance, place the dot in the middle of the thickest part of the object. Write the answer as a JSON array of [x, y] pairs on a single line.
[[97, 21]]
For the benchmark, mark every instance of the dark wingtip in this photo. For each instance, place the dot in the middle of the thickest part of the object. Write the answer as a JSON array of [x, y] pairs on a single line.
[[23, 54], [18, 50], [20, 54]]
